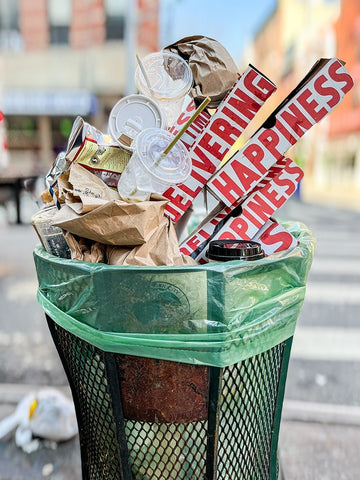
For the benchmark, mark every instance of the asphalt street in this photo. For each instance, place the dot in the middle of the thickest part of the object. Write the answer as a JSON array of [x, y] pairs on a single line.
[[321, 426], [325, 359]]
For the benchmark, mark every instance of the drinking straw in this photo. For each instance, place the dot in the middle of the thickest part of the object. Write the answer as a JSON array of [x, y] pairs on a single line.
[[186, 126], [53, 194], [143, 71]]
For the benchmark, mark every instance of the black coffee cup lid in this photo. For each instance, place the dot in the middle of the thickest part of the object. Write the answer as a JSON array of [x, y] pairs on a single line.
[[226, 250]]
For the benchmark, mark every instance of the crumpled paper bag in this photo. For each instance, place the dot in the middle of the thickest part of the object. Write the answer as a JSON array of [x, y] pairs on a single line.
[[94, 211], [162, 248], [214, 70], [115, 223], [83, 191], [84, 249]]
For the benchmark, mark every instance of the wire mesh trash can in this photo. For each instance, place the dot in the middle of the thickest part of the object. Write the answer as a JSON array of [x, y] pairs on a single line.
[[182, 374]]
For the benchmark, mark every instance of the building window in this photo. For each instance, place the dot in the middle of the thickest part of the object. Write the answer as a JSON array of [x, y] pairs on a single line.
[[22, 132], [10, 38], [115, 19], [59, 20]]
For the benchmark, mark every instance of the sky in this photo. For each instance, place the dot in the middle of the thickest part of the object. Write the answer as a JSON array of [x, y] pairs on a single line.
[[230, 22]]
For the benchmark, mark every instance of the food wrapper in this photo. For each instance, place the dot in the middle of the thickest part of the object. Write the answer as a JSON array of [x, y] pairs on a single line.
[[162, 248], [106, 161], [213, 68], [85, 250]]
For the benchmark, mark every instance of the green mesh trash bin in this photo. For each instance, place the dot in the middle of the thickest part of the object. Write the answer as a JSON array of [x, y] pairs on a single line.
[[177, 372]]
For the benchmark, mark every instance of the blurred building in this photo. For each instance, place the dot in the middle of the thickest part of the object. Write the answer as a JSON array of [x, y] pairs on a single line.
[[67, 58], [344, 133], [296, 34]]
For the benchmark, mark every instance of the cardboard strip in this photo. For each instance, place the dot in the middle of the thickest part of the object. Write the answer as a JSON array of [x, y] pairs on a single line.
[[184, 116], [243, 219], [320, 91], [274, 238], [197, 240], [272, 172], [223, 129], [194, 130]]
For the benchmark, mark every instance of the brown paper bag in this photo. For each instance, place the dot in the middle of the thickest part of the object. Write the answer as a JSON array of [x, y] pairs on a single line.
[[214, 70], [114, 223], [83, 191], [85, 250], [162, 248]]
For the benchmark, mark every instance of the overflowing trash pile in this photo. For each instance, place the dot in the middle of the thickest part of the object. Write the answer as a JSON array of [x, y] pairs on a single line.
[[122, 197]]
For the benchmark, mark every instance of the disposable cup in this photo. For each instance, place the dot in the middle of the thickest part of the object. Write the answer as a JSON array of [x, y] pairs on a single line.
[[226, 250], [167, 80], [148, 171]]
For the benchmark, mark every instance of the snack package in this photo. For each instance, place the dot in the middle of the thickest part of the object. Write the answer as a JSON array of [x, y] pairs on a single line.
[[96, 151]]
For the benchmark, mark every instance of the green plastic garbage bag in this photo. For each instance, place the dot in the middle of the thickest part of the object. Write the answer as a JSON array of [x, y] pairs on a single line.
[[215, 314]]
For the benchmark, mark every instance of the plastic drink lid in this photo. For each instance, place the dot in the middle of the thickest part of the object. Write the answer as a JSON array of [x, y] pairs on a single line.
[[226, 250], [175, 167], [169, 76], [132, 114]]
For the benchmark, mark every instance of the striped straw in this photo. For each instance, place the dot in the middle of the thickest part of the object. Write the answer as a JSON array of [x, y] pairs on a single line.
[[53, 194]]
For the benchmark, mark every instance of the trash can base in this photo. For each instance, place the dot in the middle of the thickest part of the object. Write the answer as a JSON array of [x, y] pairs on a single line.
[[236, 437]]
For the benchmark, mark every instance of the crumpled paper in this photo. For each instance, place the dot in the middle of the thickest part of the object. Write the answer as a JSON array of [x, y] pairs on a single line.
[[84, 249], [83, 191], [94, 211], [162, 248], [213, 69], [94, 217], [115, 223]]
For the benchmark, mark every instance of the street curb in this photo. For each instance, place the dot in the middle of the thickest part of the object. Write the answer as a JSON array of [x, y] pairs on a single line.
[[12, 393], [329, 413], [293, 410]]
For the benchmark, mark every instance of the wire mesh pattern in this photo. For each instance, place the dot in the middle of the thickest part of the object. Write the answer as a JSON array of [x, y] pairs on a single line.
[[97, 427], [167, 451], [248, 400], [235, 440]]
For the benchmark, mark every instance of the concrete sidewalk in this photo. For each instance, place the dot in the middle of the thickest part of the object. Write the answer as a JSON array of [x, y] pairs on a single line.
[[317, 442]]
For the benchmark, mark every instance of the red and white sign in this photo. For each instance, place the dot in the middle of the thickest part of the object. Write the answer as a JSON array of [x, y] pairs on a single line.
[[197, 239], [254, 212], [274, 238], [320, 92], [224, 128], [274, 170], [195, 128]]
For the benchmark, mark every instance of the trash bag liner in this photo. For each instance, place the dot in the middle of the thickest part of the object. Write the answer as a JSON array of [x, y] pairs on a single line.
[[215, 314]]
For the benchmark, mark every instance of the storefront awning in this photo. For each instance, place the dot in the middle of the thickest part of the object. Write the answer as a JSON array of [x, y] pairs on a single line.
[[49, 102]]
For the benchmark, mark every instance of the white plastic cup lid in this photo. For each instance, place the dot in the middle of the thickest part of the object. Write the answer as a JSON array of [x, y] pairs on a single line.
[[175, 167], [169, 76], [131, 115]]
